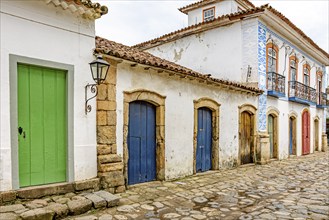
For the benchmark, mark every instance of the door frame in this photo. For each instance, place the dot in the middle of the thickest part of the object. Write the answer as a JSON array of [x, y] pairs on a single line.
[[309, 130], [14, 60], [316, 133], [275, 114], [159, 102], [213, 106], [293, 116], [252, 110]]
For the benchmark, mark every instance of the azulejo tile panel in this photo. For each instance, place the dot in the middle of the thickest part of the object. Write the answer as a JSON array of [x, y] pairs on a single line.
[[262, 104]]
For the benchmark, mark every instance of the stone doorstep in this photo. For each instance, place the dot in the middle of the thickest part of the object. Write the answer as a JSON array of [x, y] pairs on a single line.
[[36, 192], [83, 203]]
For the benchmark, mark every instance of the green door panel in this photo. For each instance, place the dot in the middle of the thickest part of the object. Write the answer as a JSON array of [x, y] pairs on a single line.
[[42, 116]]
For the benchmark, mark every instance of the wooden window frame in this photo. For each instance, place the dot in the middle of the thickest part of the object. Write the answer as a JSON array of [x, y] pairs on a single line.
[[307, 66], [268, 46], [295, 59], [207, 9]]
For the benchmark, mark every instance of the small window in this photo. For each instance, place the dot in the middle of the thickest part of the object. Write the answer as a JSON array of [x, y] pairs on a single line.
[[306, 71], [209, 14], [293, 68], [272, 60]]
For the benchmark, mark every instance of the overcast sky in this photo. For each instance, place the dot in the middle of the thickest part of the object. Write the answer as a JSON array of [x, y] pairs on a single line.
[[132, 22]]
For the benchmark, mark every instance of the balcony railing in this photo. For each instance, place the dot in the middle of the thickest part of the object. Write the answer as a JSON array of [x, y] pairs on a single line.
[[322, 100], [302, 93], [276, 84]]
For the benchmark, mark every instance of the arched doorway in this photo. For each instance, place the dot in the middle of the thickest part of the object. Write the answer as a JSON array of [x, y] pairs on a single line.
[[292, 135], [204, 140], [272, 129], [247, 150], [141, 143], [305, 132], [316, 134]]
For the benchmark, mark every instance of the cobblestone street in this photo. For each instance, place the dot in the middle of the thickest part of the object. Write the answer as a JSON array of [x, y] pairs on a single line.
[[297, 188]]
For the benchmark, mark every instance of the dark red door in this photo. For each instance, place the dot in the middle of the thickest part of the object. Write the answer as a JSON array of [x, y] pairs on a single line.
[[306, 133]]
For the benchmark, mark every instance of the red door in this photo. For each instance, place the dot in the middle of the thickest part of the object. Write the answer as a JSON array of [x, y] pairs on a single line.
[[306, 133]]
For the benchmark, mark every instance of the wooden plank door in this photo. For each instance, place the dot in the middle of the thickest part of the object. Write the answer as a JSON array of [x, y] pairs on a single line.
[[291, 135], [305, 133], [270, 130], [42, 125], [316, 135], [246, 136], [141, 143], [204, 140]]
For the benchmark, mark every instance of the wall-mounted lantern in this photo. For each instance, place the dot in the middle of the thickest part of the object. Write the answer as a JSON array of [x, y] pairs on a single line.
[[99, 69]]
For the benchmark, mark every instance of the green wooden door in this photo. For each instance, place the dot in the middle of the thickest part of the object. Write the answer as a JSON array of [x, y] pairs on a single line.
[[270, 130], [42, 125]]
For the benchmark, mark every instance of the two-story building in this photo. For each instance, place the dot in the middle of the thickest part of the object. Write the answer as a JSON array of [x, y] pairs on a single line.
[[257, 46]]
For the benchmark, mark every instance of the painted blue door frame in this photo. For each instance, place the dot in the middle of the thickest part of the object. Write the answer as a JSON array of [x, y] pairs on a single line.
[[204, 140], [141, 143]]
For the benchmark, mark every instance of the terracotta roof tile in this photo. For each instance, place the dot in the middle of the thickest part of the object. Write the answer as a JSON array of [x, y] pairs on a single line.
[[205, 2], [233, 16], [111, 48]]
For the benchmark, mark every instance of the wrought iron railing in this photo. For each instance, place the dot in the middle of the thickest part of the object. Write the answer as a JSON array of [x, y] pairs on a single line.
[[276, 82], [322, 99], [302, 91]]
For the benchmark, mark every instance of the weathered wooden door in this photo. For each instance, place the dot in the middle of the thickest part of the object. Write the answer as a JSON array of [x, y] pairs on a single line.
[[246, 138], [141, 143], [204, 140], [316, 135], [305, 133], [270, 130], [42, 125]]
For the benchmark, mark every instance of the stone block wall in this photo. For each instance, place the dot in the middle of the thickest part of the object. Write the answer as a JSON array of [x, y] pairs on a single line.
[[109, 164]]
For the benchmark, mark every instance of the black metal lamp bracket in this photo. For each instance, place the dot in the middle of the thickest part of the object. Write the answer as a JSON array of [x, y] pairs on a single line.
[[94, 90]]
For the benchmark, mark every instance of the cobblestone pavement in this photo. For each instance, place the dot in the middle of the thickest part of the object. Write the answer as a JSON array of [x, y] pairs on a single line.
[[296, 188]]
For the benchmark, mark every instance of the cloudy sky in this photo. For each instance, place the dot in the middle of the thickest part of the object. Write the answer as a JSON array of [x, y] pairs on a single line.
[[135, 21]]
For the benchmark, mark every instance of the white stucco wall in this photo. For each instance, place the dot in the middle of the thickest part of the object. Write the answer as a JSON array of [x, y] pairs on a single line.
[[221, 8], [179, 115], [43, 32], [217, 52], [286, 108]]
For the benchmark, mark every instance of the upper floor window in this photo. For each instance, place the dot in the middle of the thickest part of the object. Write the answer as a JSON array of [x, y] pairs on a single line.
[[319, 86], [209, 14], [293, 66], [272, 58], [306, 73]]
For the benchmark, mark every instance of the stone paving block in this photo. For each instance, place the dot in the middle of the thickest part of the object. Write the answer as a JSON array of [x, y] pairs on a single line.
[[77, 207], [11, 208], [7, 196], [112, 200], [59, 209], [87, 184], [98, 202], [46, 190], [8, 216], [38, 214], [89, 217]]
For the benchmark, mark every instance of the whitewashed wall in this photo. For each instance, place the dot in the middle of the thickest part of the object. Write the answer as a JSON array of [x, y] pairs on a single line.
[[221, 8], [217, 52], [35, 30], [179, 115]]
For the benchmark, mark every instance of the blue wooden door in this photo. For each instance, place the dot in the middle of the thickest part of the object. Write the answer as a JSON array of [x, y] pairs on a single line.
[[141, 143], [204, 140], [290, 135]]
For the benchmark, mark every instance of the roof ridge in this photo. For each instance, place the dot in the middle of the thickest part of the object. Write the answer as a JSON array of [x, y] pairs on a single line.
[[262, 7], [122, 51]]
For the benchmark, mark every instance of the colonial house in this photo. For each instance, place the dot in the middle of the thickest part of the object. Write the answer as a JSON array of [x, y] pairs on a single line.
[[168, 121], [260, 47], [46, 48]]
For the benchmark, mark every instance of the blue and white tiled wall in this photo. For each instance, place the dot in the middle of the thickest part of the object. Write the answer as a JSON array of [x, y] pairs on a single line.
[[262, 76]]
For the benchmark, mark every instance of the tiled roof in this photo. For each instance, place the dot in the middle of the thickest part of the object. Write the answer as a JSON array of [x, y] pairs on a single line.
[[186, 8], [220, 20], [83, 7], [111, 48]]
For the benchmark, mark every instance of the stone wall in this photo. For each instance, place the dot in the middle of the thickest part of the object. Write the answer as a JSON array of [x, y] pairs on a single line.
[[109, 164]]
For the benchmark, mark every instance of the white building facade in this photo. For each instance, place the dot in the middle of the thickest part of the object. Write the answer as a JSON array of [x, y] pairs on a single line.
[[258, 46], [46, 47]]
